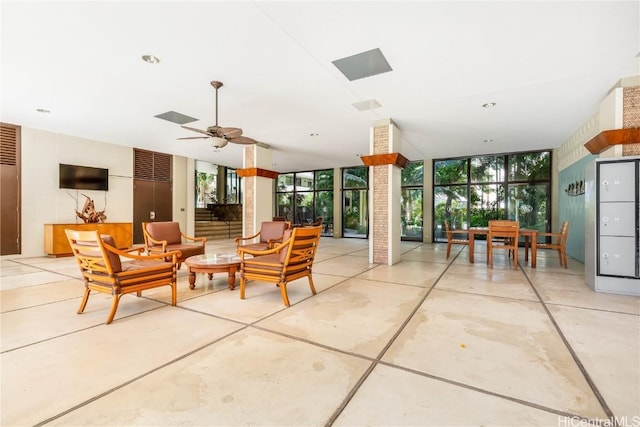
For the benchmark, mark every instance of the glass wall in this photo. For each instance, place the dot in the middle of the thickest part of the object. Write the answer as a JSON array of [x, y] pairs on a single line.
[[206, 184], [471, 191], [355, 205], [233, 188], [411, 202], [301, 197]]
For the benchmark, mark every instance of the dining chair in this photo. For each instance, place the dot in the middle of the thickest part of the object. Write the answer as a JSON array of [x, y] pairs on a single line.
[[559, 244], [455, 237], [503, 234]]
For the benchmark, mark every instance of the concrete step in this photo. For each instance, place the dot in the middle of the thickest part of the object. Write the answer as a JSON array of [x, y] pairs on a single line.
[[215, 230]]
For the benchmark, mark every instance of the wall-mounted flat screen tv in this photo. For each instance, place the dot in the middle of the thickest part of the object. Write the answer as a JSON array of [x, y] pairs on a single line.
[[84, 177]]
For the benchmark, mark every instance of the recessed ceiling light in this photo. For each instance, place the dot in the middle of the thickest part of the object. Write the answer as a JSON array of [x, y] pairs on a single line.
[[489, 105], [150, 59], [43, 110], [488, 140]]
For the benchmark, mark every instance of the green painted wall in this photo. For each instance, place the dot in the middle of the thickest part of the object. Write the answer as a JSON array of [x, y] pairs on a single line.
[[571, 207]]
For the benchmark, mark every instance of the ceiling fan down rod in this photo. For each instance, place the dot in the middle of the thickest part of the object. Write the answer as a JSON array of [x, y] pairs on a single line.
[[217, 85]]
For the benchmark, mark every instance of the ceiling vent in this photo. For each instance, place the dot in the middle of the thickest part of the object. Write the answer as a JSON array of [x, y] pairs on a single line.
[[174, 117], [361, 65], [367, 105]]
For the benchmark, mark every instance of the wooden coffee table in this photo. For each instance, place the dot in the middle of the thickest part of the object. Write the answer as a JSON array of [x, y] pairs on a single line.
[[213, 263]]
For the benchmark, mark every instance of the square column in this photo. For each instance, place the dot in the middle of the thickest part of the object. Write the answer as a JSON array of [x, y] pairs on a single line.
[[257, 194], [385, 166]]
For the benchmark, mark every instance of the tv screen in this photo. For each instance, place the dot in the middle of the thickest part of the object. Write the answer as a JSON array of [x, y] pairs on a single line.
[[83, 177]]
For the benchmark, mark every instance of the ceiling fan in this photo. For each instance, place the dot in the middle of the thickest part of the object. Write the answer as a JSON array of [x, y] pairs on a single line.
[[220, 136]]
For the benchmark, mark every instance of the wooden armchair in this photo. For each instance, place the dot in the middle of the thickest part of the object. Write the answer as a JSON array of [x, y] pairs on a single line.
[[103, 270], [503, 234], [290, 260], [165, 236], [270, 234], [560, 243], [458, 237]]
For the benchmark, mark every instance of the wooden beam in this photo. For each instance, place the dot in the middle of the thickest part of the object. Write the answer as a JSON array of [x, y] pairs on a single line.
[[395, 159], [248, 172], [608, 138]]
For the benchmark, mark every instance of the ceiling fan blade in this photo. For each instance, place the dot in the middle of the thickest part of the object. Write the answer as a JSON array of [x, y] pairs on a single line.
[[196, 130], [195, 137], [244, 140], [229, 132]]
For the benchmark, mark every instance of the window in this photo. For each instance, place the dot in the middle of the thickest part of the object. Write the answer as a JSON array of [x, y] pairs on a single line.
[[471, 191], [310, 198], [355, 205], [411, 201], [233, 189]]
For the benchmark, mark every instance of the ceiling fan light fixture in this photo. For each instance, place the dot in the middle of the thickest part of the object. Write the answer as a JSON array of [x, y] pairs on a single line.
[[217, 142]]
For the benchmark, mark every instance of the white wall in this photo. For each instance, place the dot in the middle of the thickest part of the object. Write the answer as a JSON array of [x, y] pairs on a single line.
[[43, 202]]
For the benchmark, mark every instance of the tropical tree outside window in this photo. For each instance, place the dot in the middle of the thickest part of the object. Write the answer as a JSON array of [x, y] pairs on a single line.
[[355, 205], [301, 197], [411, 201], [233, 188], [205, 189], [471, 191]]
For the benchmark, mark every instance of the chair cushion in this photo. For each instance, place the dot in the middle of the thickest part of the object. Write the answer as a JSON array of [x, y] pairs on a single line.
[[256, 246], [272, 230], [165, 230], [114, 259], [187, 249]]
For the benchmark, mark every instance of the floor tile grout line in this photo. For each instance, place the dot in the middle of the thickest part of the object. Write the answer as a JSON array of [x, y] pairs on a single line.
[[482, 390], [244, 327], [75, 331], [137, 378], [600, 310], [374, 363], [378, 358], [605, 407]]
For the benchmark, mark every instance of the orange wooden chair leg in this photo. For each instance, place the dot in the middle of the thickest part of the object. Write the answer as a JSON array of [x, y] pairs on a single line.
[[242, 286], [313, 288], [174, 293], [283, 291], [114, 308], [85, 298]]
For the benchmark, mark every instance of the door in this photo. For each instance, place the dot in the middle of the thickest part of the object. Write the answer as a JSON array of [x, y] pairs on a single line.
[[10, 189], [152, 190]]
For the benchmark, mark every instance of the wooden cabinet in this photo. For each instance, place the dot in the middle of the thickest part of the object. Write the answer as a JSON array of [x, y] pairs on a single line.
[[56, 244]]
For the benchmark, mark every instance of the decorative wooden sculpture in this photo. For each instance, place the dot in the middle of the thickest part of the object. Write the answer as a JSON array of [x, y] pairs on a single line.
[[89, 214]]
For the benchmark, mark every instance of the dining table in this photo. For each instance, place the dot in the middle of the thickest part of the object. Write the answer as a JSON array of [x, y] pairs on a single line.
[[530, 236]]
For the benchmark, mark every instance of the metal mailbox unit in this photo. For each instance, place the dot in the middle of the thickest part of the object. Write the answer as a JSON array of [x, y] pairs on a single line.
[[612, 222]]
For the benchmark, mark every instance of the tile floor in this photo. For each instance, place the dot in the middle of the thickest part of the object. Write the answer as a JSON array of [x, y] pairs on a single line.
[[425, 342]]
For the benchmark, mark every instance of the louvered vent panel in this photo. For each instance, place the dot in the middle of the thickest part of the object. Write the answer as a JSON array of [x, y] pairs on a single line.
[[8, 141], [162, 167], [143, 165]]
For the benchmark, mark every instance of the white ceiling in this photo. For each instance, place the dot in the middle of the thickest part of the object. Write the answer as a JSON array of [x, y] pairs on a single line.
[[546, 65]]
